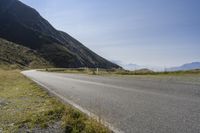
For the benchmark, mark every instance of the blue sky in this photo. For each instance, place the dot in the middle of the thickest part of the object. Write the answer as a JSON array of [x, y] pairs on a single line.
[[146, 32]]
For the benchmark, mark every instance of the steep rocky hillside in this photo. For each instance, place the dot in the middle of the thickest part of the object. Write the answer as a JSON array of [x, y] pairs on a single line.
[[23, 25]]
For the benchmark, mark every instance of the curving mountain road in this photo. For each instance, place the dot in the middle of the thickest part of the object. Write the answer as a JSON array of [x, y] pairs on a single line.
[[137, 104]]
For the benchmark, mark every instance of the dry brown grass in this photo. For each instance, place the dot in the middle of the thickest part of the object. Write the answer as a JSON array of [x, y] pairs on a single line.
[[25, 105]]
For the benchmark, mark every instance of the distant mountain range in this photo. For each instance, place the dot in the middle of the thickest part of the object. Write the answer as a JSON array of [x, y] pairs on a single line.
[[130, 66], [188, 66], [23, 25], [133, 67]]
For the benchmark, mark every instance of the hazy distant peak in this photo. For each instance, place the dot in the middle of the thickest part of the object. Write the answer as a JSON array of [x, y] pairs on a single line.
[[188, 66]]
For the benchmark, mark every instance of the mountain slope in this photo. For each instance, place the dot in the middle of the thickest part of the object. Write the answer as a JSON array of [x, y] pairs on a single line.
[[189, 66], [23, 25], [19, 56]]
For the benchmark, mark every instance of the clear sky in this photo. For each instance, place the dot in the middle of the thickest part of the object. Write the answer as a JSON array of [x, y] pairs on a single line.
[[146, 32]]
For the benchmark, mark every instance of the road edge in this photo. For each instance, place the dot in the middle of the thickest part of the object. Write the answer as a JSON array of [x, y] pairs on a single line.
[[65, 100]]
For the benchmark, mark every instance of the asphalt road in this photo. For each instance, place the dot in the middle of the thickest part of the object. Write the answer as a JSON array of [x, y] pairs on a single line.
[[131, 104]]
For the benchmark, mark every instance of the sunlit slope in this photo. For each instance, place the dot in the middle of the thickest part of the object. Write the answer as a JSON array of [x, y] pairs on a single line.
[[15, 55]]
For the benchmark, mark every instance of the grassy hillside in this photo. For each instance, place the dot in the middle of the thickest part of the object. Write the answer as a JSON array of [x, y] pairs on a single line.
[[25, 107], [17, 56]]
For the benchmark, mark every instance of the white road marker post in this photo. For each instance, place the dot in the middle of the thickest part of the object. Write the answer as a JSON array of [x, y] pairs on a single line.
[[97, 70]]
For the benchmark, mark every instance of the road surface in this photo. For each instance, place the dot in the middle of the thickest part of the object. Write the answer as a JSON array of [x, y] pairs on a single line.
[[135, 104]]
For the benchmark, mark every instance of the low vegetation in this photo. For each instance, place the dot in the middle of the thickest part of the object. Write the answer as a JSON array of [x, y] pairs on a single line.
[[95, 71], [25, 107]]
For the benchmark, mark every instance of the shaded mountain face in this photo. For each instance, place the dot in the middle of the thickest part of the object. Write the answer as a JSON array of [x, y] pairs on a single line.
[[189, 66], [23, 25]]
